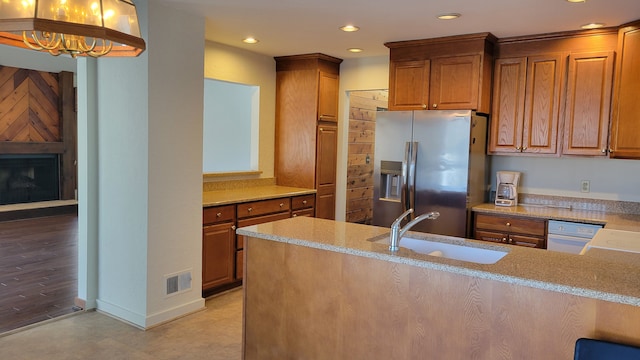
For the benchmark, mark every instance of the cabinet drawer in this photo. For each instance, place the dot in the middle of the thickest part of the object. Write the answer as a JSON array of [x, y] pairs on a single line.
[[262, 219], [217, 214], [304, 212], [303, 202], [491, 236], [510, 224], [263, 207], [529, 241]]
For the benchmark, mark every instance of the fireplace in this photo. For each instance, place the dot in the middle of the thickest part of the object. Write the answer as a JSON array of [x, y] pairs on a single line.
[[29, 177]]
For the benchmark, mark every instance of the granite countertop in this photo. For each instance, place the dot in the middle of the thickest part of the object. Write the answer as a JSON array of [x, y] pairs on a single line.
[[610, 220], [600, 274], [253, 193]]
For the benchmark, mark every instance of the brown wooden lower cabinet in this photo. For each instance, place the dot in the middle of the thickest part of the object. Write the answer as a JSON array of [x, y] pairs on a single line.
[[218, 246], [222, 249], [512, 230]]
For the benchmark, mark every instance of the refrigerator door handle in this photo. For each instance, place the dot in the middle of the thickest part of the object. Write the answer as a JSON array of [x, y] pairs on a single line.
[[411, 181], [404, 196]]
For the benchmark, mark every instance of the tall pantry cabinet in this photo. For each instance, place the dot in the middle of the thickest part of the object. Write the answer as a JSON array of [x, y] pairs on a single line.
[[307, 126]]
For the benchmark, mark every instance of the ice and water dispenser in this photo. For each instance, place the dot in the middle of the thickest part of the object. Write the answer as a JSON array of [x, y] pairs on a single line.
[[390, 180]]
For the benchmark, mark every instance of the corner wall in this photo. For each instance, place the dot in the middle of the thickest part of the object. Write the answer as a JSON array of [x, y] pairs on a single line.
[[370, 73], [150, 170]]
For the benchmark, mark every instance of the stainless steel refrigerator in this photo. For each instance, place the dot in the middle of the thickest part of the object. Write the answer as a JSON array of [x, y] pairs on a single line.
[[430, 160]]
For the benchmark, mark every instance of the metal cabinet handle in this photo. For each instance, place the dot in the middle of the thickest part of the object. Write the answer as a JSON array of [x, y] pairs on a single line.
[[281, 204], [508, 224], [435, 106], [294, 215], [604, 151], [518, 148], [233, 227], [424, 106], [304, 202], [250, 209], [504, 240], [218, 214], [321, 129], [524, 148]]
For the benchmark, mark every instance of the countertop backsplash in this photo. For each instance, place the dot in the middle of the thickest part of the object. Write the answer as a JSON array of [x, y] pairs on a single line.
[[612, 206]]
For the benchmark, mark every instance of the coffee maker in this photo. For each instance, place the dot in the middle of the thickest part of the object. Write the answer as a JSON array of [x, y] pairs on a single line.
[[507, 188]]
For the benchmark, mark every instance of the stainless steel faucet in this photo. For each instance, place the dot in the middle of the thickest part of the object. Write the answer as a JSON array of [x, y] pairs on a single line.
[[397, 233]]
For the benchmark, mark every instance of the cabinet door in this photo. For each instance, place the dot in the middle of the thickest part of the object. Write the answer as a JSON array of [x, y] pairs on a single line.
[[625, 142], [327, 155], [328, 97], [455, 83], [218, 255], [409, 85], [507, 112], [542, 104], [586, 115]]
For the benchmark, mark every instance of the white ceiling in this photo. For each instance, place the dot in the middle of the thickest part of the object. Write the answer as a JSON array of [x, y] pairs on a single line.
[[289, 27]]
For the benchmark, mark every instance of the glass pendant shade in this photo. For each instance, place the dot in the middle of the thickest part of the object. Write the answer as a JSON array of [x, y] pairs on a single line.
[[74, 27]]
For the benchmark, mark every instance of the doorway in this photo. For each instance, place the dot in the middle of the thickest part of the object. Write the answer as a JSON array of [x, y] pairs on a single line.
[[363, 105]]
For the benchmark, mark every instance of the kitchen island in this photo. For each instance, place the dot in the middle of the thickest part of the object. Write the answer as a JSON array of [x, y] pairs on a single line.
[[324, 289]]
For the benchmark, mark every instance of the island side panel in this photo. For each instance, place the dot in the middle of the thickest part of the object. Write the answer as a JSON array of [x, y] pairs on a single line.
[[263, 282], [309, 303]]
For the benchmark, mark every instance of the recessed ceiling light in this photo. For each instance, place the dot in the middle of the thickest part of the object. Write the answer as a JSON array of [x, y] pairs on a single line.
[[592, 26], [250, 40], [450, 16], [349, 28], [354, 50], [577, 1]]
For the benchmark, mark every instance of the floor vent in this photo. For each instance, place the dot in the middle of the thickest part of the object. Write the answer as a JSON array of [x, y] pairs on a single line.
[[178, 282]]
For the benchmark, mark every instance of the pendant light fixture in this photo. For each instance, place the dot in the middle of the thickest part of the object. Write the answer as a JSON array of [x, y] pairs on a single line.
[[75, 27]]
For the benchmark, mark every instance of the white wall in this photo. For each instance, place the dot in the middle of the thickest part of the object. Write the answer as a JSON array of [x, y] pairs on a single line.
[[88, 201], [35, 60], [610, 179], [237, 65], [150, 169], [370, 73]]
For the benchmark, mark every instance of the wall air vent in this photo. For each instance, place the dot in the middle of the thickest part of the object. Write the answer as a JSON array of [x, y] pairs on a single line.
[[177, 283]]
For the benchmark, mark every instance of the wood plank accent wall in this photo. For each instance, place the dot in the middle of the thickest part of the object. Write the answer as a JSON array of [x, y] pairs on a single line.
[[38, 116], [29, 105], [362, 116]]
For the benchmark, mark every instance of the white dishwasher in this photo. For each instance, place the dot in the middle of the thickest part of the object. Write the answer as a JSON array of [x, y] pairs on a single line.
[[569, 237]]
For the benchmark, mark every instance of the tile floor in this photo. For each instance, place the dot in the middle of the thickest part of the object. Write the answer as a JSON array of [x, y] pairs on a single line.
[[215, 333]]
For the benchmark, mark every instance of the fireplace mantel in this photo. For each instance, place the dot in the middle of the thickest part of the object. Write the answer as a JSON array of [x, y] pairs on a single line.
[[14, 147]]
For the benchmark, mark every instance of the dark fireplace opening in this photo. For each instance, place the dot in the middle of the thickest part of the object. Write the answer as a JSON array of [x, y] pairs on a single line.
[[28, 178]]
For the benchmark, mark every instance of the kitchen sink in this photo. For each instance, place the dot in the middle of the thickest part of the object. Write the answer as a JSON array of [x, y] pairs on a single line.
[[450, 251]]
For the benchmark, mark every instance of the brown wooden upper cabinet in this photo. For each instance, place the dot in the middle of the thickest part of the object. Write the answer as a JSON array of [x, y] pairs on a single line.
[[587, 106], [307, 88], [526, 104], [328, 97], [449, 73], [625, 126], [552, 94]]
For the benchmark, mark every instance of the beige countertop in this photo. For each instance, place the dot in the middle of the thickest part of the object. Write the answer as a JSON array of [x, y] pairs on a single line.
[[253, 193], [600, 274], [617, 221]]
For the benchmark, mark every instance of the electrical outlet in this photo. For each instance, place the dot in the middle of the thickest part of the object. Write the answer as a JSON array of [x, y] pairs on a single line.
[[584, 186]]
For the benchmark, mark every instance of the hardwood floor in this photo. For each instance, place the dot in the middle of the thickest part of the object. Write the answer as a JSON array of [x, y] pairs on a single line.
[[38, 269]]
